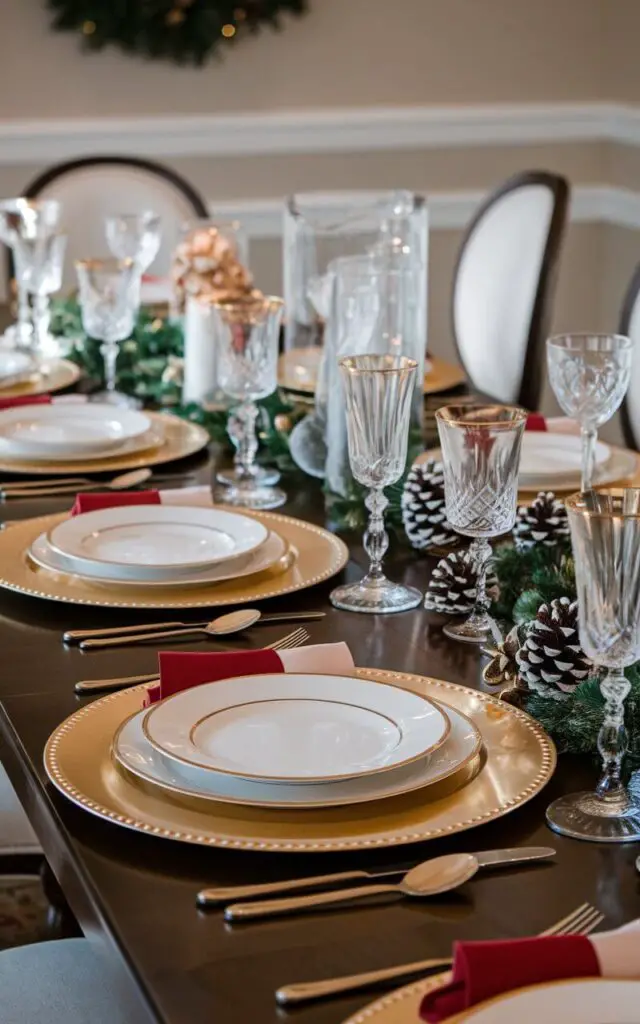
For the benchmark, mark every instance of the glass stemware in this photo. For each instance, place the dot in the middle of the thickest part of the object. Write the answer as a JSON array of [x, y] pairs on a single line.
[[589, 374], [39, 265], [109, 294], [378, 394], [246, 338], [605, 535], [134, 236], [26, 219], [480, 456]]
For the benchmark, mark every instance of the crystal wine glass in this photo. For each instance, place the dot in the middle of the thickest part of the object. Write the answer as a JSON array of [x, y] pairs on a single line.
[[39, 266], [26, 219], [480, 456], [134, 236], [605, 536], [589, 374], [109, 294], [246, 336], [378, 394]]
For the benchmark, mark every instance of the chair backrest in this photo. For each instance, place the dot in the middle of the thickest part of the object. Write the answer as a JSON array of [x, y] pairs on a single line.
[[630, 325], [504, 283], [91, 188]]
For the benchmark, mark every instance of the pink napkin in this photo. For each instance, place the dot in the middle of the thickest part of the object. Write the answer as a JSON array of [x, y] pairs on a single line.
[[181, 670], [9, 403], [199, 495], [482, 970]]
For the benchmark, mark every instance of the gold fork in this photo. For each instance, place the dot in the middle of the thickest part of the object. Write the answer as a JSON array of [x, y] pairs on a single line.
[[583, 920], [297, 638]]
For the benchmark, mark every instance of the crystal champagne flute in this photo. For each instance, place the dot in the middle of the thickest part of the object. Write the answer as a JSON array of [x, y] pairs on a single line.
[[605, 536], [39, 266], [480, 456], [378, 394], [589, 374], [26, 219], [134, 236]]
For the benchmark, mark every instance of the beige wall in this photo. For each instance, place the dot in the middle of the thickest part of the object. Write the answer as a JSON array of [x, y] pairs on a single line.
[[344, 52]]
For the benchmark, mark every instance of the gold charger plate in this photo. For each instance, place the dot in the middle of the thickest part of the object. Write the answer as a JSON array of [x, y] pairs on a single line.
[[402, 1006], [181, 438], [441, 376], [59, 374], [519, 761], [315, 556]]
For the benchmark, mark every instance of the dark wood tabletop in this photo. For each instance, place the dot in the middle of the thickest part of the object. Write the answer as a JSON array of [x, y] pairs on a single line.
[[134, 895]]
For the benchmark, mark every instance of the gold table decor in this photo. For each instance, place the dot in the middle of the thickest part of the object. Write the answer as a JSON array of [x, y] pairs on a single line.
[[181, 438], [55, 375], [403, 1004], [518, 760], [314, 556], [298, 376]]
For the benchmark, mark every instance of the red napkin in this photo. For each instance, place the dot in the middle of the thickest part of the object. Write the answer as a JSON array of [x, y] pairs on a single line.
[[105, 499], [535, 421], [482, 970], [8, 403], [180, 671]]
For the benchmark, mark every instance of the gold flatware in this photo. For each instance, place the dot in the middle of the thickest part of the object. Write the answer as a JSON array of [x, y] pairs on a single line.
[[486, 859], [582, 921], [431, 878], [297, 638], [73, 636], [119, 483], [68, 481]]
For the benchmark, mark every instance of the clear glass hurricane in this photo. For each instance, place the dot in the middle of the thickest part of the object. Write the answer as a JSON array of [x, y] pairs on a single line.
[[246, 336], [589, 374], [605, 535], [39, 265], [378, 394], [134, 236], [26, 219], [109, 296], [480, 456]]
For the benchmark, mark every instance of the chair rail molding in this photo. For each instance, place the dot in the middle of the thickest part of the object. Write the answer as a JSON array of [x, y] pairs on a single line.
[[338, 130]]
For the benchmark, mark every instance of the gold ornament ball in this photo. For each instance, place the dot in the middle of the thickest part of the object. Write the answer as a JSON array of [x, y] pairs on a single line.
[[282, 423]]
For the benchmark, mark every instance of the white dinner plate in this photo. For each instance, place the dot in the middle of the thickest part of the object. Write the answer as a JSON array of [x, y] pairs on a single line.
[[15, 367], [546, 456], [583, 1001], [273, 549], [155, 541], [61, 430], [138, 757], [296, 727]]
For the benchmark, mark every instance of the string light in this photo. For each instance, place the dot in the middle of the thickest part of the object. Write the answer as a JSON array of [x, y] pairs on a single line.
[[88, 28], [228, 31], [174, 17]]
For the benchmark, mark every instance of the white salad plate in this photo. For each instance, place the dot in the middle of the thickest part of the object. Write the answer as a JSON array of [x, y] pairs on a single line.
[[266, 556], [295, 727], [15, 367], [150, 542], [547, 456], [132, 752], [63, 431]]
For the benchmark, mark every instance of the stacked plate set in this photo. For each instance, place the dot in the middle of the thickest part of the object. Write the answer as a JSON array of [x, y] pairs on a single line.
[[551, 461], [24, 374]]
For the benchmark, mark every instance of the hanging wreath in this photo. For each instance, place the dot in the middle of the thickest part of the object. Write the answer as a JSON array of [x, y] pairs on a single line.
[[183, 31]]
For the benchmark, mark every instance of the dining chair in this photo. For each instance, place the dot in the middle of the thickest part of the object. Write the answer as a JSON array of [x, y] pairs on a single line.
[[630, 325], [60, 982], [504, 284], [19, 847], [91, 188]]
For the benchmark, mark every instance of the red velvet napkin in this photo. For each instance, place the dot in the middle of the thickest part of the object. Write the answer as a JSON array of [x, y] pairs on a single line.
[[535, 421], [8, 403], [106, 499], [482, 970], [180, 670]]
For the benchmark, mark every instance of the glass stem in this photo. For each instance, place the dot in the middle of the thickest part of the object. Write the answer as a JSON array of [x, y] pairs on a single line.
[[41, 320], [24, 323], [376, 539], [589, 438], [241, 427], [109, 352], [480, 551], [612, 738]]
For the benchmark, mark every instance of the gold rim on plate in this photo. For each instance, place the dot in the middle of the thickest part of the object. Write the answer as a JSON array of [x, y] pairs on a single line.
[[402, 1006], [440, 375], [519, 761], [56, 375], [314, 556], [181, 438]]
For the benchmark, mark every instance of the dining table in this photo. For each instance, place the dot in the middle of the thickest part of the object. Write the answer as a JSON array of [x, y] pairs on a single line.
[[134, 896]]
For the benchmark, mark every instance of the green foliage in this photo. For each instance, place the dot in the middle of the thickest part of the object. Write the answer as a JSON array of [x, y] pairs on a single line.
[[182, 31], [530, 578]]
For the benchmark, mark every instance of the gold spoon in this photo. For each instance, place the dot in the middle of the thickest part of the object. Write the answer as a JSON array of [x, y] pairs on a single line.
[[133, 478], [232, 622]]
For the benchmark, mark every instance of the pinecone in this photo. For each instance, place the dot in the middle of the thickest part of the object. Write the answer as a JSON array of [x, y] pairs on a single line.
[[544, 522], [503, 669], [452, 587], [423, 508], [551, 661]]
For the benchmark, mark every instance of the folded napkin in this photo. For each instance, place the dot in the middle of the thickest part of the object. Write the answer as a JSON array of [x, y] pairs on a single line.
[[180, 671], [198, 495], [482, 970], [8, 403], [553, 424]]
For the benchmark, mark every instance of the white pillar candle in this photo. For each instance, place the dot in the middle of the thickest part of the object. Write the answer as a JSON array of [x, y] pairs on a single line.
[[200, 357]]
